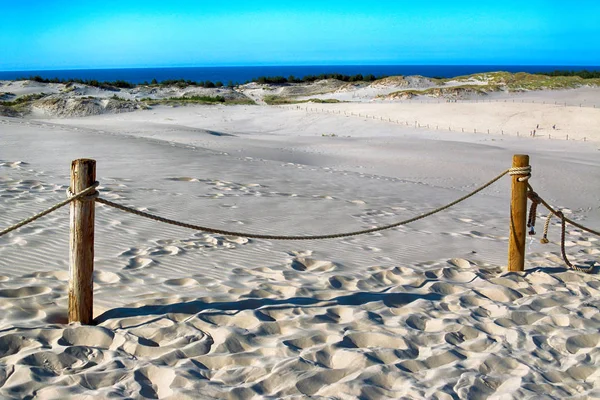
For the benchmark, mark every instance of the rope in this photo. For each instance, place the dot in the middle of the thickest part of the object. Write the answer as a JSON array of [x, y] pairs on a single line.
[[526, 171], [570, 221], [587, 270], [89, 197], [544, 238], [278, 237], [90, 194], [535, 200], [71, 198], [564, 220]]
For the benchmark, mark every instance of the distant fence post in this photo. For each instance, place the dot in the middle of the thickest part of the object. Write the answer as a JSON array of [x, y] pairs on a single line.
[[81, 258], [518, 216]]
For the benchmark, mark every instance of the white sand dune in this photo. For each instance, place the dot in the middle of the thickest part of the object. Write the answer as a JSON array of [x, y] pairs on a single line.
[[425, 310]]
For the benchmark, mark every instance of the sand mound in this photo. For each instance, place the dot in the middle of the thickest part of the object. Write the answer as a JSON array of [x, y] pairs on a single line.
[[60, 106], [471, 342]]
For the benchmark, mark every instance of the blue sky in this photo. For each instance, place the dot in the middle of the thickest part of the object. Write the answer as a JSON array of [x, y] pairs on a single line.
[[57, 34]]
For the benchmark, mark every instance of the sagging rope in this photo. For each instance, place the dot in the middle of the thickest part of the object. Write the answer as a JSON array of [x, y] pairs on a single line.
[[537, 200], [89, 195], [47, 211], [278, 237]]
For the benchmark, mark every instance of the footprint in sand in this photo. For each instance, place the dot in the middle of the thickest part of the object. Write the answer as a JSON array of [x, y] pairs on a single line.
[[500, 294], [578, 342], [166, 250], [131, 252], [460, 263], [183, 282], [301, 253], [28, 291], [309, 264], [58, 275], [139, 262], [106, 277], [452, 274]]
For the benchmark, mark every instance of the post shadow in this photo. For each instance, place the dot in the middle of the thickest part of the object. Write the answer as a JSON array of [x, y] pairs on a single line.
[[195, 306]]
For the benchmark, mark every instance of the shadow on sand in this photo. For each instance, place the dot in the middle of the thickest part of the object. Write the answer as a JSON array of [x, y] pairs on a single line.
[[553, 270], [194, 307]]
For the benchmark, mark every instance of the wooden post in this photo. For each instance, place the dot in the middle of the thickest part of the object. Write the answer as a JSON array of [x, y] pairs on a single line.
[[81, 259], [518, 216]]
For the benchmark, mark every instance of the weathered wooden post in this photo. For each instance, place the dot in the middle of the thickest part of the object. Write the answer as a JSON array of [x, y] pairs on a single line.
[[518, 216], [81, 258]]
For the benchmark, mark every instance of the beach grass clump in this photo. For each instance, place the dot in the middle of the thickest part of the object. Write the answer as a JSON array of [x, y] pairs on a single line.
[[279, 100], [199, 99], [450, 91], [274, 100], [521, 81], [24, 99], [20, 104], [332, 101]]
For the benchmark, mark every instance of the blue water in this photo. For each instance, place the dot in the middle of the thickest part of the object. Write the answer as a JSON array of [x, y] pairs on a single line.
[[244, 74]]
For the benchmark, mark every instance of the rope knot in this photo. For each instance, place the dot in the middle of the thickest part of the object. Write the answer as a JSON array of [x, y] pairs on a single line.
[[87, 197], [525, 171]]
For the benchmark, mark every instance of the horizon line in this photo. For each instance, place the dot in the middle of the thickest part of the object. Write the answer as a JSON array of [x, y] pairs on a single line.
[[296, 65]]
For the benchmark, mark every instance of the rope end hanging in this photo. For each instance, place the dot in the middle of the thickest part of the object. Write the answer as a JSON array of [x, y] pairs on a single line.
[[535, 200]]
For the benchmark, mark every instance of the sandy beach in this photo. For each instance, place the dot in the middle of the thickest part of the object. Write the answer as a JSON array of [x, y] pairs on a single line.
[[422, 311]]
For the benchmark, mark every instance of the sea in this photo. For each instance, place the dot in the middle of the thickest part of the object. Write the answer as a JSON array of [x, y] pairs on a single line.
[[238, 74]]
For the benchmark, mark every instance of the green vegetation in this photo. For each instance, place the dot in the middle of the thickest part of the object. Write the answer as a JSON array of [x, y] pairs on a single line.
[[585, 74], [23, 99], [280, 80], [20, 104], [199, 100], [323, 101], [121, 84], [444, 91], [118, 84], [494, 77], [525, 81], [279, 100]]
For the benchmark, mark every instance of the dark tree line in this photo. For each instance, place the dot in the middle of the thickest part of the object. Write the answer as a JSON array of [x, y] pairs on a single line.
[[585, 74], [121, 84], [90, 82], [276, 80]]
